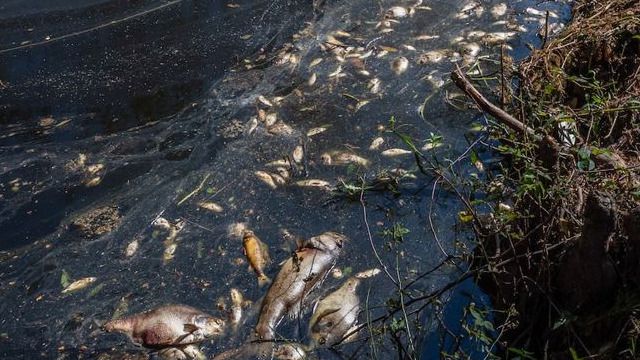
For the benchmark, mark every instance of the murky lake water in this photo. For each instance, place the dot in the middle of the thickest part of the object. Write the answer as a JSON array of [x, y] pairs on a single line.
[[132, 111]]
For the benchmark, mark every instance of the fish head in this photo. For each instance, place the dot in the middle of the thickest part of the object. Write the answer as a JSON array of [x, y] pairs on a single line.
[[328, 241], [351, 285], [210, 325], [247, 233]]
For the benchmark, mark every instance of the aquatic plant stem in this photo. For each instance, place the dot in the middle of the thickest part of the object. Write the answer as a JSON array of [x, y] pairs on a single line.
[[373, 247]]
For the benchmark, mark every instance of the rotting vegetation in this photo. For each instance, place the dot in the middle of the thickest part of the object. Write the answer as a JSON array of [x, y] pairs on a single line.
[[559, 252]]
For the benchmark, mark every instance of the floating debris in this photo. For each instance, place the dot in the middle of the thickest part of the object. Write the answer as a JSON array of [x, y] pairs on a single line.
[[79, 284]]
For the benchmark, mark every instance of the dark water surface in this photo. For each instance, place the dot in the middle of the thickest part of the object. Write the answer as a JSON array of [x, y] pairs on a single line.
[[114, 114]]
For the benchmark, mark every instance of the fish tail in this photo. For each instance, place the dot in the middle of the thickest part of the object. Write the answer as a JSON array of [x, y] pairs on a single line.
[[263, 280]]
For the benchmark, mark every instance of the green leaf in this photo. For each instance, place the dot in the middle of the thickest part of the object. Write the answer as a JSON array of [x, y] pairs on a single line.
[[65, 280]]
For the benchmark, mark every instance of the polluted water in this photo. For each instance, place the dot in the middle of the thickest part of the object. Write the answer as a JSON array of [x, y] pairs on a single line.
[[133, 171]]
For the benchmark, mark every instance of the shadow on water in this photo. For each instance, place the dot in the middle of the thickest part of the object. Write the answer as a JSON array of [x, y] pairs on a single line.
[[204, 116]]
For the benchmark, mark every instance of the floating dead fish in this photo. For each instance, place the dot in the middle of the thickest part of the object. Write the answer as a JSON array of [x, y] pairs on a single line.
[[336, 273], [161, 223], [132, 248], [279, 180], [265, 351], [79, 284], [211, 206], [280, 128], [314, 183], [346, 158], [409, 47], [237, 301], [275, 163], [264, 101], [399, 65], [189, 352], [374, 85], [395, 152], [257, 254], [367, 273], [396, 12], [337, 72], [315, 131], [426, 37], [341, 33], [290, 351], [169, 252], [376, 143], [266, 178], [298, 154], [251, 125], [312, 79], [298, 276], [335, 315], [315, 62], [169, 325], [270, 119]]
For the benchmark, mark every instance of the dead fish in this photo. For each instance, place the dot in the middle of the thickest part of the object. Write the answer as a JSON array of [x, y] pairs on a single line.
[[189, 352], [169, 252], [237, 301], [290, 351], [315, 131], [314, 183], [335, 315], [346, 158], [79, 284], [264, 101], [367, 273], [270, 119], [265, 351], [211, 206], [131, 248], [280, 128], [396, 12], [168, 325], [298, 154], [315, 62], [312, 79], [374, 85], [299, 275], [375, 144], [257, 253], [395, 152], [266, 178], [399, 65]]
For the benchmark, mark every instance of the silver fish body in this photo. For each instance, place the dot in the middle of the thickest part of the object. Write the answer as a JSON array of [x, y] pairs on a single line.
[[299, 275]]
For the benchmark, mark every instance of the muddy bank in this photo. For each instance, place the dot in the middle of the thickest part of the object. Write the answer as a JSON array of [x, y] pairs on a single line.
[[559, 253]]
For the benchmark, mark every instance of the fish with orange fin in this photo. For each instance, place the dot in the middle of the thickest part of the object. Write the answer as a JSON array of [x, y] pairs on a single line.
[[257, 253], [166, 326]]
